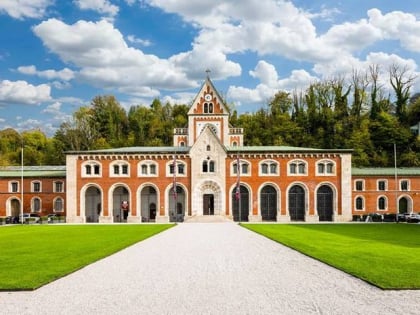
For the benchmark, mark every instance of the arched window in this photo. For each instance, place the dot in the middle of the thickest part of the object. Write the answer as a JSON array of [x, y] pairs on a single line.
[[119, 168], [244, 168], [58, 187], [206, 108], [208, 166], [58, 205], [180, 168], [210, 108], [297, 168], [91, 168], [268, 168], [382, 203], [211, 166], [325, 167], [359, 203], [14, 187], [264, 168], [36, 205], [36, 186], [147, 168]]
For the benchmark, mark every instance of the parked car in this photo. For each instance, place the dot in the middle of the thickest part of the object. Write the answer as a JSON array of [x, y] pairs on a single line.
[[27, 217], [413, 218], [402, 217], [408, 217], [11, 219], [52, 216]]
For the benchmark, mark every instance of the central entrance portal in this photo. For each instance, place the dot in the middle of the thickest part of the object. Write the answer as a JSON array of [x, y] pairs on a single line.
[[208, 204]]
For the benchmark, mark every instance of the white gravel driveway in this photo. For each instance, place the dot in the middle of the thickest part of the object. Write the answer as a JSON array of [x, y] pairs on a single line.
[[209, 268]]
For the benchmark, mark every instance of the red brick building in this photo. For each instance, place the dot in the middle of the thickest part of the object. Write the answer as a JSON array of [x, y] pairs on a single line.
[[214, 175], [43, 190], [385, 190]]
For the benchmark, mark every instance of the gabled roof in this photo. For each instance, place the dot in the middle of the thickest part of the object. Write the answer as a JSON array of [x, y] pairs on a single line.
[[210, 130], [208, 83]]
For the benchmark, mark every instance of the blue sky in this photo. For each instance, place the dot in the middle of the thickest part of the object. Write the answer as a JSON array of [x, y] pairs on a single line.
[[56, 56]]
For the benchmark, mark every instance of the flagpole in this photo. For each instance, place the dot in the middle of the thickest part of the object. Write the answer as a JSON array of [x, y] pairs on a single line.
[[396, 182], [174, 189], [238, 186], [21, 184]]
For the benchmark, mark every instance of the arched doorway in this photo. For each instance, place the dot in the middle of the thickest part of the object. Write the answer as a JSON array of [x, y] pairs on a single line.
[[93, 207], [297, 203], [324, 203], [268, 199], [120, 205], [176, 204], [207, 199], [403, 205], [240, 204], [15, 208], [148, 202]]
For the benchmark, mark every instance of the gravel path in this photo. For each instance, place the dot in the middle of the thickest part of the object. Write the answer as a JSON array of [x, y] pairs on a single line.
[[209, 268]]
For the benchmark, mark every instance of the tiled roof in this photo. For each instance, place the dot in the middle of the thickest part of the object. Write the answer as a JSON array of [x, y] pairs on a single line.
[[285, 149], [281, 149], [33, 171], [385, 171], [131, 150]]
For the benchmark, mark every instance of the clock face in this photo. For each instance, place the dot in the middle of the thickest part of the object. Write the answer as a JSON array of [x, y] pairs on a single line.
[[207, 97]]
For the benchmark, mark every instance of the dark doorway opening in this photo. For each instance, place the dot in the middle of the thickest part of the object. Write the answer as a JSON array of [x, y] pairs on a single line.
[[208, 204]]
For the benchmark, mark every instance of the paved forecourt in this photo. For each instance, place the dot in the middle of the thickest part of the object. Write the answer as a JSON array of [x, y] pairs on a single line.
[[209, 268]]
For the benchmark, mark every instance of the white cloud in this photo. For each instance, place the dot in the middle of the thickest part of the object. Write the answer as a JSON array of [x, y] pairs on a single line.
[[20, 9], [270, 84], [399, 26], [100, 6], [266, 73], [349, 37], [20, 92], [65, 74], [225, 30], [143, 42], [54, 108], [32, 124], [105, 58]]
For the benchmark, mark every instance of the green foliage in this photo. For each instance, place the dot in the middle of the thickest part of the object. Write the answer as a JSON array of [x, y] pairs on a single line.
[[330, 114], [36, 255], [386, 255]]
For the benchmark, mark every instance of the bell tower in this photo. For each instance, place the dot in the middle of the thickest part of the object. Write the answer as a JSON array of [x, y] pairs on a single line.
[[208, 110]]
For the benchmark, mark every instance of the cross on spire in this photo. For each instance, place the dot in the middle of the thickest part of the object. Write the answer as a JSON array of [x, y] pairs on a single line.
[[208, 73]]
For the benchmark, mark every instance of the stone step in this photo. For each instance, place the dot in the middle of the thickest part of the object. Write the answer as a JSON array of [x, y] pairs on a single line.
[[207, 219]]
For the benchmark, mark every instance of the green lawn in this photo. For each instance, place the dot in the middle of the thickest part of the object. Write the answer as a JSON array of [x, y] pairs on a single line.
[[31, 256], [386, 255]]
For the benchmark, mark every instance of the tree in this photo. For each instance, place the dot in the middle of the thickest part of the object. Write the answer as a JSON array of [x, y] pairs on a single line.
[[110, 120], [401, 81], [35, 147], [10, 145], [78, 133]]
